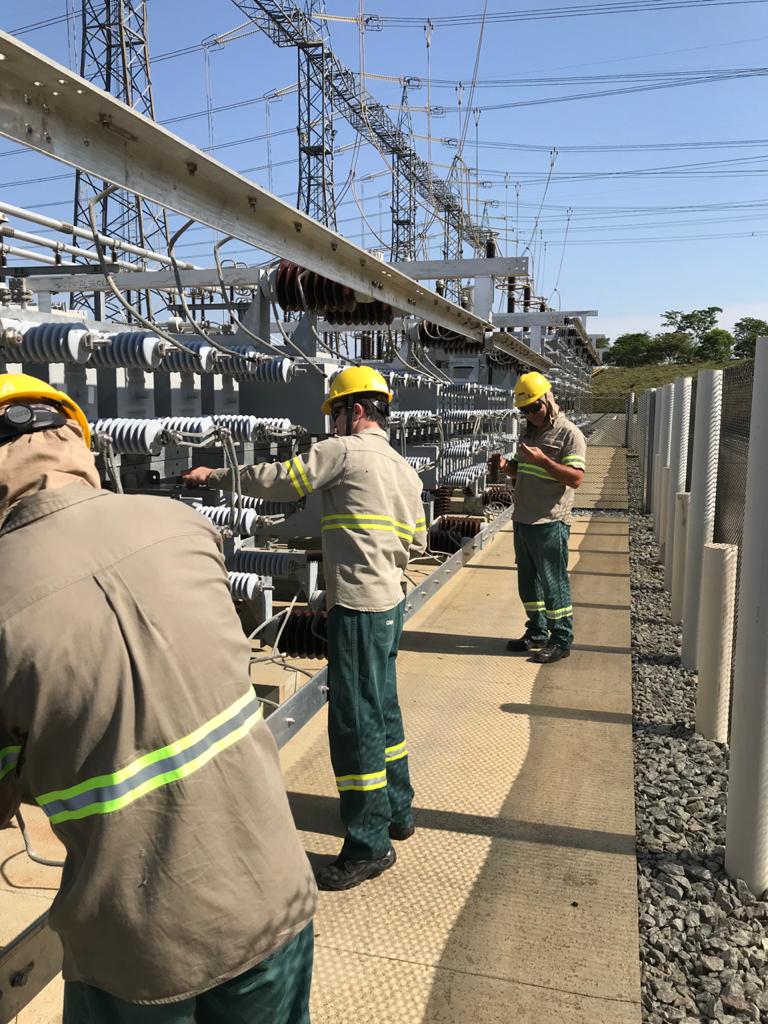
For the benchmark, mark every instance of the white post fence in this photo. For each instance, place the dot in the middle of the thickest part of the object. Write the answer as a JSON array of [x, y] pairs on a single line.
[[681, 415], [718, 609], [701, 518], [682, 505], [746, 852]]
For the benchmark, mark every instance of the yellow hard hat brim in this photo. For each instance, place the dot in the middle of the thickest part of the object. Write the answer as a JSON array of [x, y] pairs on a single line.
[[50, 394]]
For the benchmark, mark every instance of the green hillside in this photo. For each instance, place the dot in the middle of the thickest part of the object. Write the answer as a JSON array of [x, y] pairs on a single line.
[[612, 384]]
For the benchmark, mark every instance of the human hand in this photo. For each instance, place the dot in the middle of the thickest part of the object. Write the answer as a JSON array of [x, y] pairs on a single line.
[[533, 454], [497, 463], [196, 477]]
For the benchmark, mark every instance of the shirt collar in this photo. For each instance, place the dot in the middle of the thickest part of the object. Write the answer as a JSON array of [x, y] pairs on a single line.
[[44, 503]]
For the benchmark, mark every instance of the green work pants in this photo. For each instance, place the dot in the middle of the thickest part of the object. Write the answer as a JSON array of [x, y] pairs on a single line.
[[275, 991], [365, 728], [542, 581]]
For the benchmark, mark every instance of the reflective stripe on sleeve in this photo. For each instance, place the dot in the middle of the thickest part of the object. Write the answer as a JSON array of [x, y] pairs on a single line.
[[361, 783], [298, 476], [394, 753], [9, 758], [576, 461], [533, 606], [528, 468], [105, 794]]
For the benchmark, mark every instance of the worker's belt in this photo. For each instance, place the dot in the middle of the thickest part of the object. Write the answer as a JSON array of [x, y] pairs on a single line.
[[350, 521], [105, 794]]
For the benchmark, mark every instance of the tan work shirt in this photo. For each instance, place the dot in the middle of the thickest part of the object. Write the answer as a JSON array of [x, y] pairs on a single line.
[[539, 498], [372, 515], [128, 716]]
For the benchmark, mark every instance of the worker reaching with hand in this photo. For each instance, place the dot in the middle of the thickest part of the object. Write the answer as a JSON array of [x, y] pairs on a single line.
[[548, 467], [372, 523], [128, 716]]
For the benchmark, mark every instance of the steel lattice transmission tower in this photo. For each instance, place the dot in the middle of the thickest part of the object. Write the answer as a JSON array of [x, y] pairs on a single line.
[[115, 57], [403, 245], [286, 24], [315, 128]]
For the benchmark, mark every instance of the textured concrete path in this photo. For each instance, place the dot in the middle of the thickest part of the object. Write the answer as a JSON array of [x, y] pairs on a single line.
[[516, 898]]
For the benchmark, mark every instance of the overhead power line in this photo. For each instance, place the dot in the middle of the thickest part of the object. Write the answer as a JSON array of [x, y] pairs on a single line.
[[378, 21]]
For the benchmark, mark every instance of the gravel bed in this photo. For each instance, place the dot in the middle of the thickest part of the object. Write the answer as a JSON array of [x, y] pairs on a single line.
[[703, 937]]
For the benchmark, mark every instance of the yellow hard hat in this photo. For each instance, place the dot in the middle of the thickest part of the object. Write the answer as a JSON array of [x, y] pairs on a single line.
[[16, 387], [530, 387], [355, 380]]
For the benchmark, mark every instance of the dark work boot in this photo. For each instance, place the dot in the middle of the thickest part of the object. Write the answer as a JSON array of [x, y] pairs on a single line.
[[549, 654], [524, 643], [401, 832], [346, 874]]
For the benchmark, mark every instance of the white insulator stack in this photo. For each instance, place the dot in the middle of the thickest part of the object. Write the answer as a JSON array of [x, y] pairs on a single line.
[[264, 563], [245, 522], [131, 436], [196, 425], [263, 507], [246, 585]]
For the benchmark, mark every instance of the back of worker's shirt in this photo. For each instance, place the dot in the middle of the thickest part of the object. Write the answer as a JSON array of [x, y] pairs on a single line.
[[539, 498], [125, 697], [372, 514]]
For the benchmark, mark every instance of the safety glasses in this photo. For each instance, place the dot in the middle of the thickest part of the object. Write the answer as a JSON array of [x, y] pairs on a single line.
[[533, 408]]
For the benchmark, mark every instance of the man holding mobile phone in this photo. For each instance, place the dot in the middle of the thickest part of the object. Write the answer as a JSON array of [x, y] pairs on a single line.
[[548, 467]]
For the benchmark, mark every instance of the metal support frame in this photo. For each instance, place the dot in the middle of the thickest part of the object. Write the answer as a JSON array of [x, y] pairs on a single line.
[[403, 237], [115, 57], [315, 129], [86, 128], [27, 964]]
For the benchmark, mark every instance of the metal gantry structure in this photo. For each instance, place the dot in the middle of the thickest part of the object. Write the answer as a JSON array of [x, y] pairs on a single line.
[[287, 25], [403, 244], [115, 57]]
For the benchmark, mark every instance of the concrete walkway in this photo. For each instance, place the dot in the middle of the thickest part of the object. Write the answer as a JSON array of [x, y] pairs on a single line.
[[516, 899]]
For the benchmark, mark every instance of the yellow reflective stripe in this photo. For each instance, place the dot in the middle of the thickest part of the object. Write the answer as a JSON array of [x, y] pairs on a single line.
[[365, 517], [361, 783], [396, 752], [531, 470], [533, 606], [560, 613], [573, 458], [294, 479], [421, 522], [300, 469]]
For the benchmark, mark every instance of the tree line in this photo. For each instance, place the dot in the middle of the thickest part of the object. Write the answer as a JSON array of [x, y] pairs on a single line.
[[687, 338]]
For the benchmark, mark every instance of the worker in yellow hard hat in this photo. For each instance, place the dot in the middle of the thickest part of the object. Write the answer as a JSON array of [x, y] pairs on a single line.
[[186, 893], [547, 469], [372, 523]]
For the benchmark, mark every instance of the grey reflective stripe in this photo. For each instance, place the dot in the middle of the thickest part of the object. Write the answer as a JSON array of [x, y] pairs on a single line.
[[104, 799], [9, 757]]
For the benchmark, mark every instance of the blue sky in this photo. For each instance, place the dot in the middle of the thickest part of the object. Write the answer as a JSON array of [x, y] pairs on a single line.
[[650, 233]]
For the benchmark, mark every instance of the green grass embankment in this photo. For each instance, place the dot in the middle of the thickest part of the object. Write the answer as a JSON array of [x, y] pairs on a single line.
[[612, 384]]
